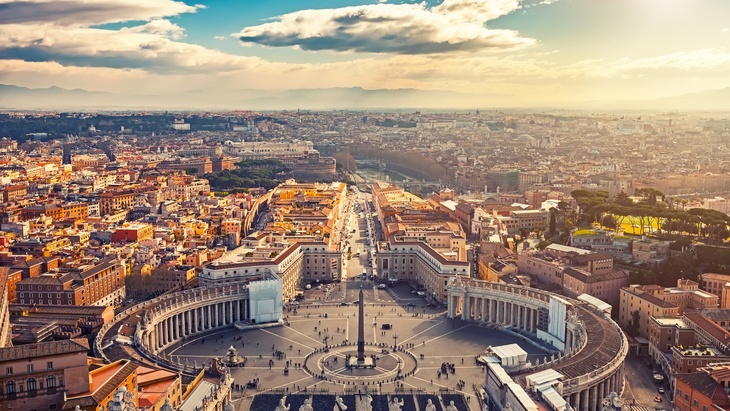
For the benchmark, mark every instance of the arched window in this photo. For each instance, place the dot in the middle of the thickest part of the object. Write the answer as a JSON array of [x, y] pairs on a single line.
[[10, 387], [51, 381], [32, 384]]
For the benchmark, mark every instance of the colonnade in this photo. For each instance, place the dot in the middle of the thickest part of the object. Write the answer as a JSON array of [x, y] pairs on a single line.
[[590, 398], [189, 320], [500, 311]]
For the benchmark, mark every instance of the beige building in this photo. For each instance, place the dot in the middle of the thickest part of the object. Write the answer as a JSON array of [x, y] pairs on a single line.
[[638, 303], [718, 284], [40, 376]]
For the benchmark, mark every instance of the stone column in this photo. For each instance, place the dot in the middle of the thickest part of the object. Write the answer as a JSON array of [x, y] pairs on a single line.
[[593, 398], [484, 309], [188, 323], [464, 307], [173, 329], [168, 331], [584, 400], [194, 320], [575, 401]]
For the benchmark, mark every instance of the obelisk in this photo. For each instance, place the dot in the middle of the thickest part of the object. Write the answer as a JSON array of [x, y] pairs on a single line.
[[361, 331]]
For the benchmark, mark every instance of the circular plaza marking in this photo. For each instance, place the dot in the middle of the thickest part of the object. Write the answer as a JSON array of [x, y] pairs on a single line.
[[331, 364]]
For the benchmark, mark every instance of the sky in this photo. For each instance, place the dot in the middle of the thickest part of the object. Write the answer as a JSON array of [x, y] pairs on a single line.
[[543, 52]]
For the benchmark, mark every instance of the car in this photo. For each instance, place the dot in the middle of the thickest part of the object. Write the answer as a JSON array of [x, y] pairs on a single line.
[[661, 390], [382, 286], [414, 292], [410, 305], [344, 303], [356, 302]]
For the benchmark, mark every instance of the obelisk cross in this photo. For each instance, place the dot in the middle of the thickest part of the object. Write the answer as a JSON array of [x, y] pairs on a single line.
[[361, 331]]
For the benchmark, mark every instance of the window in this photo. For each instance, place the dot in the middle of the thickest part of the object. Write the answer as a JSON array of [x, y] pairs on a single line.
[[10, 387], [694, 404], [31, 384], [51, 381], [30, 367], [49, 365], [9, 371]]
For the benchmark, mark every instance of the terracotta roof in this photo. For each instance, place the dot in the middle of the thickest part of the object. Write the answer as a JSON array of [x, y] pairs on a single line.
[[702, 382], [104, 381], [651, 299], [714, 330], [44, 349], [587, 277]]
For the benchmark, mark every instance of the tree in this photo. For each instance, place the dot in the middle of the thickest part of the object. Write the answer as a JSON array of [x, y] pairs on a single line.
[[553, 223], [650, 195], [623, 199]]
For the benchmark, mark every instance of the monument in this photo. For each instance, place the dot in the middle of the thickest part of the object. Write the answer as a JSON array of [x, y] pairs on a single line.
[[360, 359], [361, 330]]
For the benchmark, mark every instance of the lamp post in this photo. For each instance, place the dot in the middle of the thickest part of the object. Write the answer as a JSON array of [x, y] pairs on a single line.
[[395, 341]]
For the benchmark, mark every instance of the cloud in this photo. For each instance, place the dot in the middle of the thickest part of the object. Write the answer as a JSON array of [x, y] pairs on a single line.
[[87, 13], [682, 61], [150, 46], [452, 26], [161, 27]]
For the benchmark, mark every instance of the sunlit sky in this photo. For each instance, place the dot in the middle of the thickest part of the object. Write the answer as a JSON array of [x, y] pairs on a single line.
[[541, 51]]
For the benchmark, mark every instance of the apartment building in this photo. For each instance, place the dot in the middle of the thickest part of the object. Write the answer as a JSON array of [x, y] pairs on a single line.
[[41, 376], [638, 303], [100, 283], [718, 284], [703, 390], [111, 201]]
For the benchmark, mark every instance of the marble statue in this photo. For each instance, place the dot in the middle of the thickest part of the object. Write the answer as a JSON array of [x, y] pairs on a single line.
[[306, 406], [340, 406], [430, 406], [451, 406], [281, 406], [395, 405], [365, 403]]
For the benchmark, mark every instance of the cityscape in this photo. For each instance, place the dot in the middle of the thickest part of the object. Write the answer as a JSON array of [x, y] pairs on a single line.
[[451, 205]]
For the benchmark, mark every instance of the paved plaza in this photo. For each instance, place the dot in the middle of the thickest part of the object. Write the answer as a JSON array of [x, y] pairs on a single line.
[[309, 353]]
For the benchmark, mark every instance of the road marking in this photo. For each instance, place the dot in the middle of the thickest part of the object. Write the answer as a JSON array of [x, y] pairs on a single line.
[[297, 342], [436, 325], [444, 335], [287, 384]]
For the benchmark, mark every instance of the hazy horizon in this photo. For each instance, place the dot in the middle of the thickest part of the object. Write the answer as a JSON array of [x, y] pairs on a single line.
[[504, 53]]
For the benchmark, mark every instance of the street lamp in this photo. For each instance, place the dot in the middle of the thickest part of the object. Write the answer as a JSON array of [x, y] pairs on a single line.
[[395, 341]]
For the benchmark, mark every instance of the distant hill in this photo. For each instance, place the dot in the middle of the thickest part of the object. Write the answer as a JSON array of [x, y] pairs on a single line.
[[704, 100], [14, 97], [56, 98]]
